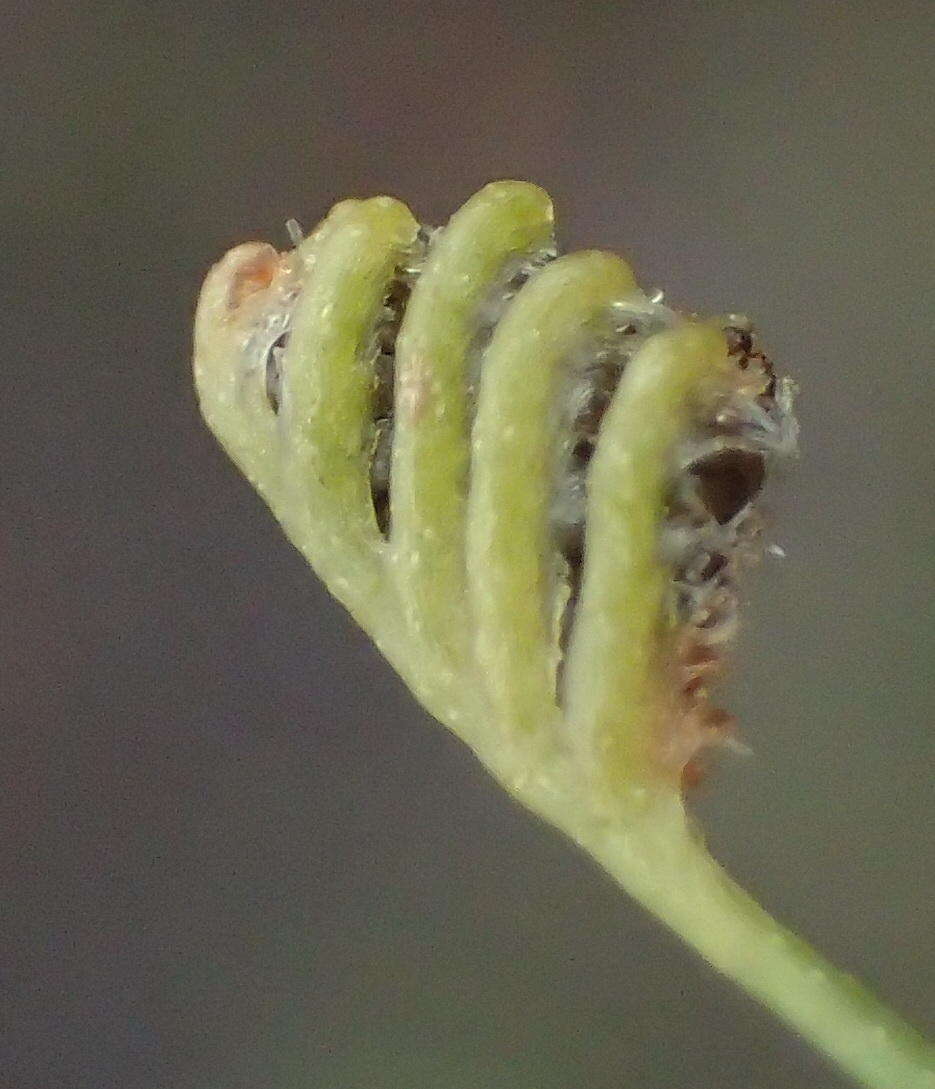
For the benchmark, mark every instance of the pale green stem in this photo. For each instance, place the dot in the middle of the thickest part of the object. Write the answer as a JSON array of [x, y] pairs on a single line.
[[656, 857], [644, 839]]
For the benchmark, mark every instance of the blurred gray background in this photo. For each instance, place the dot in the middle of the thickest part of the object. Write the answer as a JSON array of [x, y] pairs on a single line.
[[237, 854]]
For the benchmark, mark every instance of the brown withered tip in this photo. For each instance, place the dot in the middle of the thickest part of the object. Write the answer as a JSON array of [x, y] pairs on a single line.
[[715, 726], [254, 273], [699, 663], [739, 340], [718, 721], [693, 774]]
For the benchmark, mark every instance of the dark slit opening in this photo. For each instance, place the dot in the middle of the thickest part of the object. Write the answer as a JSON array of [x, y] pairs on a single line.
[[273, 378], [728, 480], [384, 376]]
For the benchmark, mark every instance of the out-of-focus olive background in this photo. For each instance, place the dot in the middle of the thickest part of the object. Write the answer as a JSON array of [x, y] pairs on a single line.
[[238, 855]]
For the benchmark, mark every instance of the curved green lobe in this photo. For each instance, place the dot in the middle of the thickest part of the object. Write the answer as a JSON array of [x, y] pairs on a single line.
[[234, 405], [327, 388], [614, 680], [431, 453], [511, 564]]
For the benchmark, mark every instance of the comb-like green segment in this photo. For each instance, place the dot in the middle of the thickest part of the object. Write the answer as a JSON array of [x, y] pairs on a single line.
[[327, 391], [615, 679], [431, 452], [509, 558]]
